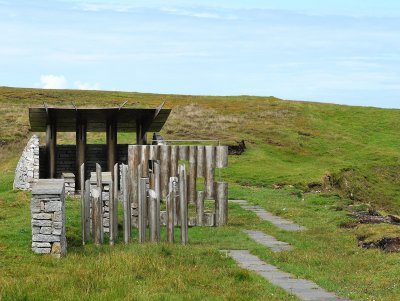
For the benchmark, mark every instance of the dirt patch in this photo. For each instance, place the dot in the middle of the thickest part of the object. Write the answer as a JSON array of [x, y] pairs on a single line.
[[388, 244], [237, 149], [373, 217]]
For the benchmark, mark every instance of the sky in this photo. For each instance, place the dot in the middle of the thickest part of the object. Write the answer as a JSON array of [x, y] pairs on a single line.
[[342, 51]]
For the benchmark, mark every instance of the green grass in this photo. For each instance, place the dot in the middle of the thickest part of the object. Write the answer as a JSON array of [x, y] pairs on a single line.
[[352, 151]]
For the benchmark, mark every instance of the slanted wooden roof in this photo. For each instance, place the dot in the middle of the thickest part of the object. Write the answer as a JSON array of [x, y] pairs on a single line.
[[97, 118]]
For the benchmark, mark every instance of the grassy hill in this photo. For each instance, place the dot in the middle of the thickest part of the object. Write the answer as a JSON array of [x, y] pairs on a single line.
[[309, 162]]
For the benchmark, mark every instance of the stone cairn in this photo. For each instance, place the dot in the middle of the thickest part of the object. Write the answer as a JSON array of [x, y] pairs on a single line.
[[27, 171], [48, 217]]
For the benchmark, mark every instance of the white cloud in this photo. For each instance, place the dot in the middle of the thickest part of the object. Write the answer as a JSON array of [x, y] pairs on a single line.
[[198, 14], [87, 86], [53, 82]]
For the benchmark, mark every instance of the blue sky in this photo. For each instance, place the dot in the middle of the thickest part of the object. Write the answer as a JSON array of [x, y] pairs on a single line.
[[329, 51]]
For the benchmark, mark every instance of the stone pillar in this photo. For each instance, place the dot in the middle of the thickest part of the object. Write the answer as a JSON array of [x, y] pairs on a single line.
[[48, 217]]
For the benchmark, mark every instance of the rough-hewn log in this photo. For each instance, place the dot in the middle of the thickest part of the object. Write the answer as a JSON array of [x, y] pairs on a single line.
[[83, 204], [183, 204], [199, 208], [201, 159], [142, 209], [221, 203], [133, 162], [183, 152], [144, 160], [173, 167], [171, 201], [126, 205], [164, 161], [209, 176], [221, 156], [97, 216], [154, 217], [192, 175]]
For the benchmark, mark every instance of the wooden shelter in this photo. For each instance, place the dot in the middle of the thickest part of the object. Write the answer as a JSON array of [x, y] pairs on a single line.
[[110, 120]]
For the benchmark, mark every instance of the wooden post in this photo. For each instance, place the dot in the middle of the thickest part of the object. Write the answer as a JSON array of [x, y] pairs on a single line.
[[80, 154], [173, 167], [100, 185], [164, 161], [171, 200], [209, 177], [115, 190], [83, 203], [141, 135], [199, 208], [201, 158], [183, 204], [221, 156], [183, 152], [153, 152], [126, 204], [144, 160], [87, 210], [97, 216], [111, 137], [221, 203], [111, 212], [133, 162], [154, 217], [51, 144], [142, 190], [157, 191], [192, 176]]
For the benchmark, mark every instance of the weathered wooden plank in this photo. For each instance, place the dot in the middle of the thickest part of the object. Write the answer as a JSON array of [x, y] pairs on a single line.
[[111, 214], [142, 206], [87, 209], [183, 204], [83, 204], [144, 160], [126, 205], [221, 203], [201, 158], [100, 185], [164, 164], [209, 176], [97, 216], [199, 208], [171, 201], [221, 156], [192, 176], [157, 191], [115, 190], [173, 167], [183, 152], [154, 152], [154, 217], [133, 162]]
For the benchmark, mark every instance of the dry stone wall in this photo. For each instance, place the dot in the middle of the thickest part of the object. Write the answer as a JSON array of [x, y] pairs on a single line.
[[48, 217], [27, 171]]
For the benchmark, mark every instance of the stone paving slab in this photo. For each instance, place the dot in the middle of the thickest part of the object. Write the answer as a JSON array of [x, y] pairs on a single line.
[[303, 289], [268, 241], [277, 221]]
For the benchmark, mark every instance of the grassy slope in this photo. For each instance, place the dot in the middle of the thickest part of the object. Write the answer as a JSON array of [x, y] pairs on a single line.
[[289, 142]]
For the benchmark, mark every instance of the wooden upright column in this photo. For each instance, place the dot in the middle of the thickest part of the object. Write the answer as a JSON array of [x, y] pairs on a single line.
[[80, 153], [141, 135], [51, 142], [111, 145]]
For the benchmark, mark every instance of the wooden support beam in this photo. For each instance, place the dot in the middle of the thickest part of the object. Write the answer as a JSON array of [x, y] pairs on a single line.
[[192, 175], [81, 138], [221, 203], [164, 161], [133, 162], [111, 137], [100, 209], [199, 208], [111, 212], [83, 204], [51, 144], [115, 191], [142, 208], [209, 176], [171, 201], [87, 210], [154, 217], [141, 134]]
